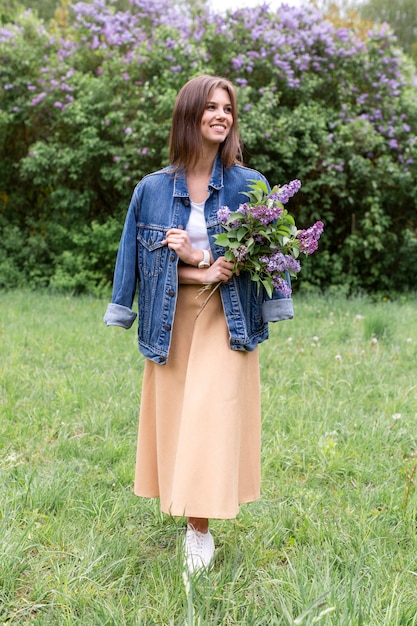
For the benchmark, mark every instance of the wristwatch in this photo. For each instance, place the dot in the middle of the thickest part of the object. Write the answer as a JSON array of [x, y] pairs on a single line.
[[206, 260]]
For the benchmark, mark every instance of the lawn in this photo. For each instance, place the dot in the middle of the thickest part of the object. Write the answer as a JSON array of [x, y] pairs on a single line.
[[332, 540]]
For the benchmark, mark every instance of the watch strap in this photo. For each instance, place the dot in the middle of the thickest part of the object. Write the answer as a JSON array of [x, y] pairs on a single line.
[[206, 260]]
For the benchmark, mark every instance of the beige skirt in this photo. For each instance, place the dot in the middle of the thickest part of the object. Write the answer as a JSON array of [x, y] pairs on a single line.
[[199, 424]]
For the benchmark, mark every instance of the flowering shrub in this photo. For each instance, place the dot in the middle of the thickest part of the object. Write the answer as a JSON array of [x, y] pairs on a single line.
[[261, 237], [85, 110]]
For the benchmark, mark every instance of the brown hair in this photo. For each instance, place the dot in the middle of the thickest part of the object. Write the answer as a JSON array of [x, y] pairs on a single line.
[[185, 141]]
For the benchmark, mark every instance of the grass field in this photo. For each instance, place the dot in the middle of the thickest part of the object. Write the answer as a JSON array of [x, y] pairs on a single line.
[[332, 541]]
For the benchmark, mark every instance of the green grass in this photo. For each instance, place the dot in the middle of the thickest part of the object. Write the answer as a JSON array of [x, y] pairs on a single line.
[[332, 541]]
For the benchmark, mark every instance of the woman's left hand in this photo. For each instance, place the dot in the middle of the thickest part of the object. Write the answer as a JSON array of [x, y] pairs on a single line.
[[178, 240]]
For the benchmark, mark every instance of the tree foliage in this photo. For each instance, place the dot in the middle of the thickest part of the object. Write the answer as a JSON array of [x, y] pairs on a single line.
[[85, 106], [401, 15]]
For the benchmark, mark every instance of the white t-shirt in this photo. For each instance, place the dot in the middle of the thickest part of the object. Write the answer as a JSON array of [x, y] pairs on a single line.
[[196, 227]]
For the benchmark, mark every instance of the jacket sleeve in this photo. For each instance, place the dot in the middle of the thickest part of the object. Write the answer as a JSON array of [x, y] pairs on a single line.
[[119, 311], [279, 307]]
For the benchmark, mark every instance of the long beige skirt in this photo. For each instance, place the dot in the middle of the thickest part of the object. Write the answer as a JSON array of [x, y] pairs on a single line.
[[199, 423]]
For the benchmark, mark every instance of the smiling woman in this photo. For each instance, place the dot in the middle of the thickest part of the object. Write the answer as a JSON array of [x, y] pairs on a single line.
[[199, 439]]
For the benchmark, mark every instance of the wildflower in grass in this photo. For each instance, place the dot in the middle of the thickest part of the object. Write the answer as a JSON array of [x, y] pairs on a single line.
[[261, 236], [396, 416]]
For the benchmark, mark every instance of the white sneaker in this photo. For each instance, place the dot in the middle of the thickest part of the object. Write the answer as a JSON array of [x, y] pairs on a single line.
[[199, 549]]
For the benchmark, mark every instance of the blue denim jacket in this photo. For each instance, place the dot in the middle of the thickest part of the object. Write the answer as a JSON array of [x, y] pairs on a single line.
[[160, 202]]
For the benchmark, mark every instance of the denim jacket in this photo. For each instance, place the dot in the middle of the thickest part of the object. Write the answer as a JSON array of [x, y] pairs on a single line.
[[161, 201]]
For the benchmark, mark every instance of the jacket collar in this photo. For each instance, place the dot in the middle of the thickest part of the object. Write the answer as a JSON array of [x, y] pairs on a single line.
[[216, 179]]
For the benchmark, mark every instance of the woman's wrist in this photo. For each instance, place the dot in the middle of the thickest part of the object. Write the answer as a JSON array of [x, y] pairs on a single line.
[[200, 258], [189, 275]]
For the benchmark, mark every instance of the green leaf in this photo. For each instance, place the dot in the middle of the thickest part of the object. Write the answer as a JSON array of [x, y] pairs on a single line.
[[241, 233], [268, 287], [222, 239]]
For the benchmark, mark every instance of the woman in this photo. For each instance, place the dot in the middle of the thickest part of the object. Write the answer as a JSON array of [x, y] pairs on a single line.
[[199, 424]]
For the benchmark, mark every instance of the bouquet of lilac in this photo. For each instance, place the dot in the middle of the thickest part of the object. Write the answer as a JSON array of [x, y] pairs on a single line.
[[261, 236]]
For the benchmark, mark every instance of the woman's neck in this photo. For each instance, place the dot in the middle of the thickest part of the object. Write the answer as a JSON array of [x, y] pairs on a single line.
[[204, 165]]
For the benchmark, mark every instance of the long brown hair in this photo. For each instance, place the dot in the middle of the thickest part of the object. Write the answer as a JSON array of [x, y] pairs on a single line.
[[185, 141]]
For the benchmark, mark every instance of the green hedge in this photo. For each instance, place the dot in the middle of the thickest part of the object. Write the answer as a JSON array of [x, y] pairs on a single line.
[[85, 110]]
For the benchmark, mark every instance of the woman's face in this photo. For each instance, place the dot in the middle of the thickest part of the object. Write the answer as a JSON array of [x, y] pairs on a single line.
[[217, 118]]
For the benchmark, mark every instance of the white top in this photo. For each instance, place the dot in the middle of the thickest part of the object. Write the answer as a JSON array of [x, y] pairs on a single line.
[[196, 227]]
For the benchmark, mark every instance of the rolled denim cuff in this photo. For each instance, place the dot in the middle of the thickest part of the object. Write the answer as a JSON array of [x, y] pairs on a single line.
[[119, 315], [277, 310]]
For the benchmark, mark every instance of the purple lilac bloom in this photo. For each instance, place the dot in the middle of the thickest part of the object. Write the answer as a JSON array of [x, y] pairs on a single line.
[[291, 264], [223, 214], [38, 99], [274, 262], [258, 238], [281, 285], [265, 214], [279, 262], [286, 192], [240, 253], [309, 238]]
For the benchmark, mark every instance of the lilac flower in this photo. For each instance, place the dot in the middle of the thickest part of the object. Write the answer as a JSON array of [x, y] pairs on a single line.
[[258, 238], [291, 264], [273, 262], [240, 253], [281, 285], [265, 214], [309, 238], [286, 191], [279, 262], [38, 99], [223, 214]]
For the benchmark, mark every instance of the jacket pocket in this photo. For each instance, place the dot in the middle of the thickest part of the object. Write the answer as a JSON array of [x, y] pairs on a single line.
[[151, 251]]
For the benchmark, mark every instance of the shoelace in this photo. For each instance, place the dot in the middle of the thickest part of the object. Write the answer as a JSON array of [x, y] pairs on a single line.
[[194, 543]]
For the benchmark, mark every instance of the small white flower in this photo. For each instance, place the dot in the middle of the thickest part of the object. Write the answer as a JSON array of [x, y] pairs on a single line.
[[315, 338], [289, 339], [338, 357], [409, 340], [359, 317], [374, 340], [396, 416]]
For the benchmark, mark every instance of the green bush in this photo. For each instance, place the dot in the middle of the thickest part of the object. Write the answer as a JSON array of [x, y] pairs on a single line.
[[85, 112]]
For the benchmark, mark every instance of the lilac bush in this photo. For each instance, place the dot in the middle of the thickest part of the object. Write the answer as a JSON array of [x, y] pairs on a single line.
[[85, 111]]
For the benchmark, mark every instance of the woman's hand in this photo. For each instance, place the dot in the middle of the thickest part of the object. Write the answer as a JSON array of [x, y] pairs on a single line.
[[179, 241], [220, 272]]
